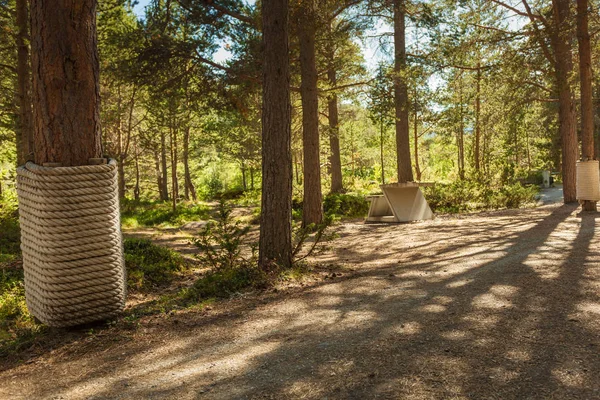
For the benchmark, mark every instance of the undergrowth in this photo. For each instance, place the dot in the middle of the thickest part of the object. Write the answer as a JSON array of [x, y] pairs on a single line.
[[470, 195], [149, 265], [9, 228], [146, 213], [17, 326], [224, 248]]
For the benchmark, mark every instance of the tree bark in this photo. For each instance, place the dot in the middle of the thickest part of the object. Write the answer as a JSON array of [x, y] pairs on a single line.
[[461, 134], [66, 90], [275, 244], [312, 208], [416, 137], [381, 132], [401, 94], [334, 140], [24, 131], [477, 139], [174, 181], [190, 190], [164, 190], [136, 189], [566, 113], [334, 128], [587, 105], [159, 175]]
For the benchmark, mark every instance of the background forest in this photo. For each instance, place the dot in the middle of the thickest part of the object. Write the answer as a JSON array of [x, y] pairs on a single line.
[[181, 98]]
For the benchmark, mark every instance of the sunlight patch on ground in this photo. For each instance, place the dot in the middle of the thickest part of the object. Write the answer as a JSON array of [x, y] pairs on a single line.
[[490, 300], [589, 307]]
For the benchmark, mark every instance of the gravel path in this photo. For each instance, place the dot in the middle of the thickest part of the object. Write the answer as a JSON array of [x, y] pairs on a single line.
[[502, 305]]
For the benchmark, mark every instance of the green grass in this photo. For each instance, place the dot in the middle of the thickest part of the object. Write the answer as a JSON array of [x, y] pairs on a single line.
[[136, 214], [9, 228], [17, 326], [149, 265]]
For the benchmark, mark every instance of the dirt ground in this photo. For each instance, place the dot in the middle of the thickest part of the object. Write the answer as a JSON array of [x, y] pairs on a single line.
[[500, 305]]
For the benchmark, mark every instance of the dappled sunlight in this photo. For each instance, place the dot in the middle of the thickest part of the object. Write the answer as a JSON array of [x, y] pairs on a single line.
[[432, 328]]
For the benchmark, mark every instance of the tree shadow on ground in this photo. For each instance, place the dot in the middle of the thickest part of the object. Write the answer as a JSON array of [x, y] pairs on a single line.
[[513, 315]]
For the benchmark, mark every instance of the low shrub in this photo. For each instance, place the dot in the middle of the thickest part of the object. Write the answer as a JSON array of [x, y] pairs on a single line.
[[223, 247], [464, 196], [345, 205], [149, 265]]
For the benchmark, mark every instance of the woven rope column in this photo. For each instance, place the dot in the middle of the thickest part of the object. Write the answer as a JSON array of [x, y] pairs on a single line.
[[588, 180], [71, 242]]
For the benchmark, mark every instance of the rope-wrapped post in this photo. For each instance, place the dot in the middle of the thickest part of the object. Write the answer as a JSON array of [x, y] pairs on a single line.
[[588, 180], [71, 242]]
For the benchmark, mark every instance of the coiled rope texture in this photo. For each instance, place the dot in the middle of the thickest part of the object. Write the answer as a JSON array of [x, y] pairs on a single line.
[[71, 243]]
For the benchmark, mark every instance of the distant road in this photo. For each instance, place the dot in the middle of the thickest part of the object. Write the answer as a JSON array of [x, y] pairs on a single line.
[[551, 195]]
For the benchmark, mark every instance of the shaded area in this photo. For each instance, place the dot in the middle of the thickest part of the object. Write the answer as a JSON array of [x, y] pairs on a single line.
[[496, 305]]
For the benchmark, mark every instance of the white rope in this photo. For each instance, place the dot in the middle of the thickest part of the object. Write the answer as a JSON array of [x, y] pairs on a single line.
[[71, 242]]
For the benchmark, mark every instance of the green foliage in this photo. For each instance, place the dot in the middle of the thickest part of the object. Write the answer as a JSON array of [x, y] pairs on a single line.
[[17, 326], [9, 228], [345, 205], [149, 265], [470, 195], [223, 248], [157, 213]]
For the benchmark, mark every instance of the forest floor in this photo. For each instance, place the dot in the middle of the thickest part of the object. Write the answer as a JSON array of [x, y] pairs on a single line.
[[494, 305]]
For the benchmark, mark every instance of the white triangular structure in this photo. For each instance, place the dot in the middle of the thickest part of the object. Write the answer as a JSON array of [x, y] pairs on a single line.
[[400, 202]]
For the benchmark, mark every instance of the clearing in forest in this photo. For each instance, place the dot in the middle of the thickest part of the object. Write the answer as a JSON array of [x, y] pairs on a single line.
[[493, 305]]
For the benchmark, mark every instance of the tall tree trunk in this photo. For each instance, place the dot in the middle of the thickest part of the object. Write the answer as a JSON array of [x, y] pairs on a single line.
[[190, 190], [334, 128], [164, 192], [416, 133], [381, 132], [136, 189], [275, 244], [587, 105], [24, 131], [461, 135], [174, 181], [312, 209], [66, 90], [477, 139], [566, 113], [159, 175], [401, 94]]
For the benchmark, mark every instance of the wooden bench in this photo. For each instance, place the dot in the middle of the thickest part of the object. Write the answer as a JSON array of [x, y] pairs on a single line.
[[400, 202]]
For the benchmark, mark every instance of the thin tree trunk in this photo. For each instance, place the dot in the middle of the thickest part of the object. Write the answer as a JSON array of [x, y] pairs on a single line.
[[461, 134], [174, 181], [381, 132], [312, 209], [334, 128], [164, 193], [136, 189], [416, 132], [476, 151], [190, 190], [587, 105], [244, 181], [159, 175], [401, 94], [24, 131], [275, 244], [66, 90]]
